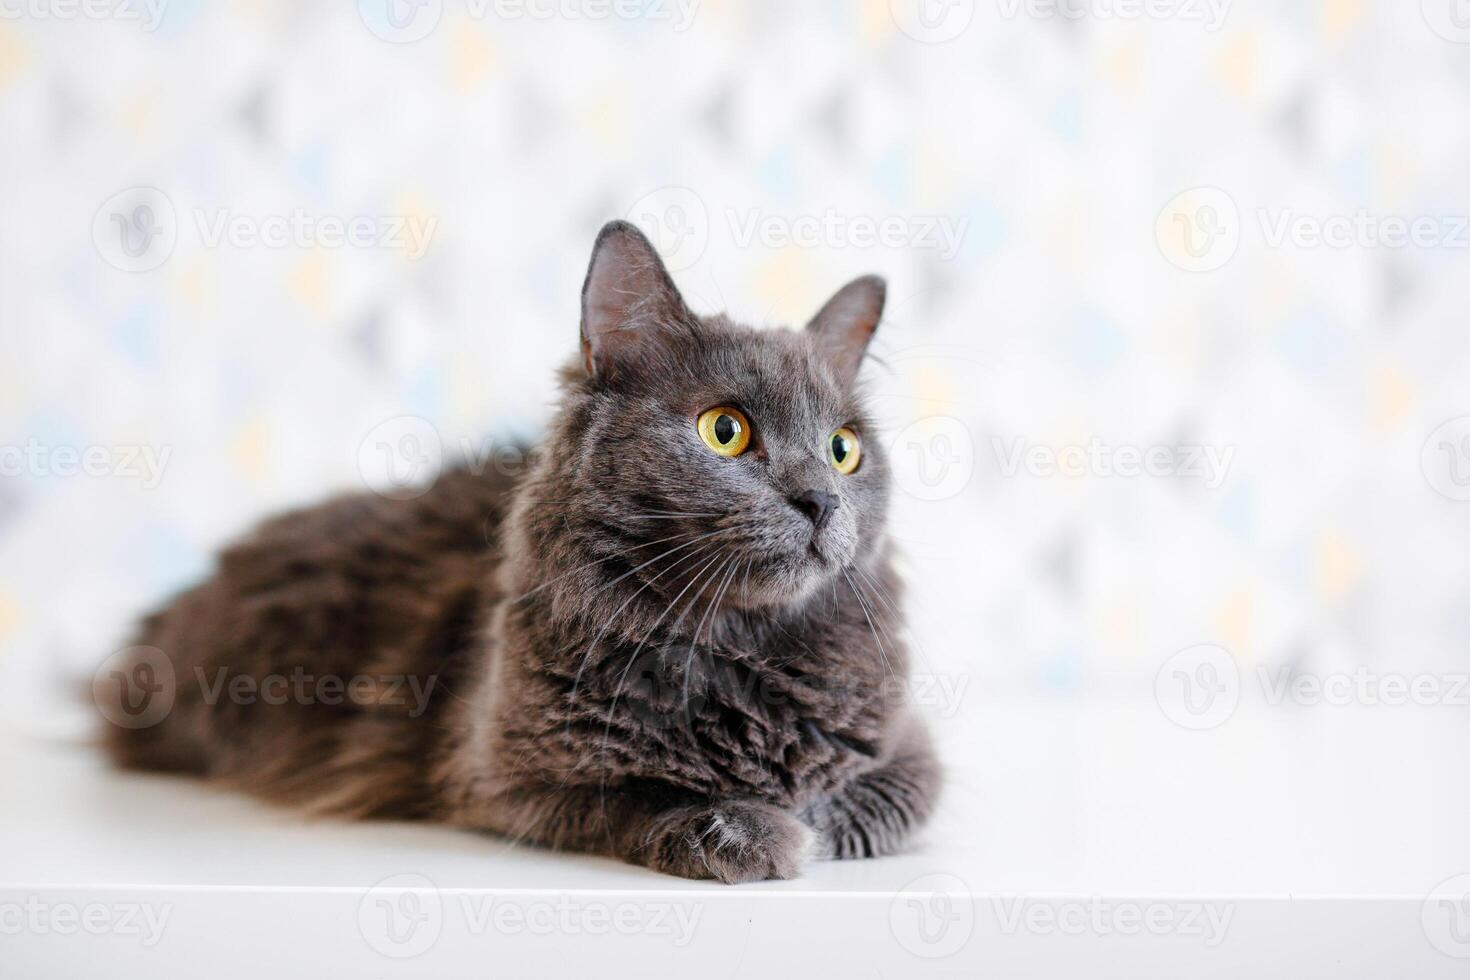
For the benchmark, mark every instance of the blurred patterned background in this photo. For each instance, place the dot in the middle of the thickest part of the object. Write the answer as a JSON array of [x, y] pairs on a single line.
[[252, 251]]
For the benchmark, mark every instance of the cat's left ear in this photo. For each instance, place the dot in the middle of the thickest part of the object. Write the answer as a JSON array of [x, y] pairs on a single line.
[[627, 296], [846, 323]]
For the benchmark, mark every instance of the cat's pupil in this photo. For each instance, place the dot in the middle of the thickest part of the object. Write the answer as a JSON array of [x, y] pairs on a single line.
[[839, 448], [725, 429]]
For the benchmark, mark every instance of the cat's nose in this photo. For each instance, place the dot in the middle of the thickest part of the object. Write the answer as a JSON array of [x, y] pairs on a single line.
[[816, 505]]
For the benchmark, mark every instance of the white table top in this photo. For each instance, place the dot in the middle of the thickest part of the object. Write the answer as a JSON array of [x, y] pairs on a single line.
[[1308, 828]]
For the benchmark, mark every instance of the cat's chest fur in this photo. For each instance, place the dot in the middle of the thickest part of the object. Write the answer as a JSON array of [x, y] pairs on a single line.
[[765, 711]]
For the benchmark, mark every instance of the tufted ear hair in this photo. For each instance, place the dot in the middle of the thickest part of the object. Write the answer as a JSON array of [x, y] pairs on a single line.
[[627, 295], [844, 325]]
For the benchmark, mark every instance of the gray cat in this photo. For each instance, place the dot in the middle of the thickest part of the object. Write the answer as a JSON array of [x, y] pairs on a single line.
[[674, 640]]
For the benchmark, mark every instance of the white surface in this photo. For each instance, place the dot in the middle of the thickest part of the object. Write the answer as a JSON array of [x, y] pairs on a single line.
[[1317, 834]]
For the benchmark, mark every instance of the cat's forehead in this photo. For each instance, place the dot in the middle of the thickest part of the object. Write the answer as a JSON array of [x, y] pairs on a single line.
[[776, 370]]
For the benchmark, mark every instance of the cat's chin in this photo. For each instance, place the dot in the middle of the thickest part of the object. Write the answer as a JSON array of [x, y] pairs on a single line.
[[789, 581]]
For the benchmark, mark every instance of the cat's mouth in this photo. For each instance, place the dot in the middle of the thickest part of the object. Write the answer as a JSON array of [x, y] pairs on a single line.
[[776, 562], [814, 550], [813, 556]]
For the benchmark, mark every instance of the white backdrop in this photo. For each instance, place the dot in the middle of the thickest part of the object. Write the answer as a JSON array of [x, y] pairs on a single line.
[[1175, 350]]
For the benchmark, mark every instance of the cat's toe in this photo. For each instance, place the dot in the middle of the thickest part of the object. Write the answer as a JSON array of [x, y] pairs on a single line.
[[736, 842]]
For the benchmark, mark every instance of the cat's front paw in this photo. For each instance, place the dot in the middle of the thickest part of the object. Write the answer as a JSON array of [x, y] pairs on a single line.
[[734, 842], [876, 813]]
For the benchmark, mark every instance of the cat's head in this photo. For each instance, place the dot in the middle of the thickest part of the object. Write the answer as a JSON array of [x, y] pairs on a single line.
[[723, 457]]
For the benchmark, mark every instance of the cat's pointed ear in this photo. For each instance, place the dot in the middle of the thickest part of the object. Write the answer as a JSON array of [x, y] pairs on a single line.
[[844, 326], [627, 295]]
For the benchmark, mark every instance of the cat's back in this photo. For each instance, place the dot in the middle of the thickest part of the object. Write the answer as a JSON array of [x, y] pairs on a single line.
[[310, 659]]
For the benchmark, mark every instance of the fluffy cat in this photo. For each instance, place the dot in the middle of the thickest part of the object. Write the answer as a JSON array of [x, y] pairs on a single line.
[[674, 640]]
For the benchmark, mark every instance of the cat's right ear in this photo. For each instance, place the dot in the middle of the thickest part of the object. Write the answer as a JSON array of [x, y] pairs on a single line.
[[627, 295], [845, 325]]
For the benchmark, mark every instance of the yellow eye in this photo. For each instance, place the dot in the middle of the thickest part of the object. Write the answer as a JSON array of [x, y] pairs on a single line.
[[725, 430], [844, 450]]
